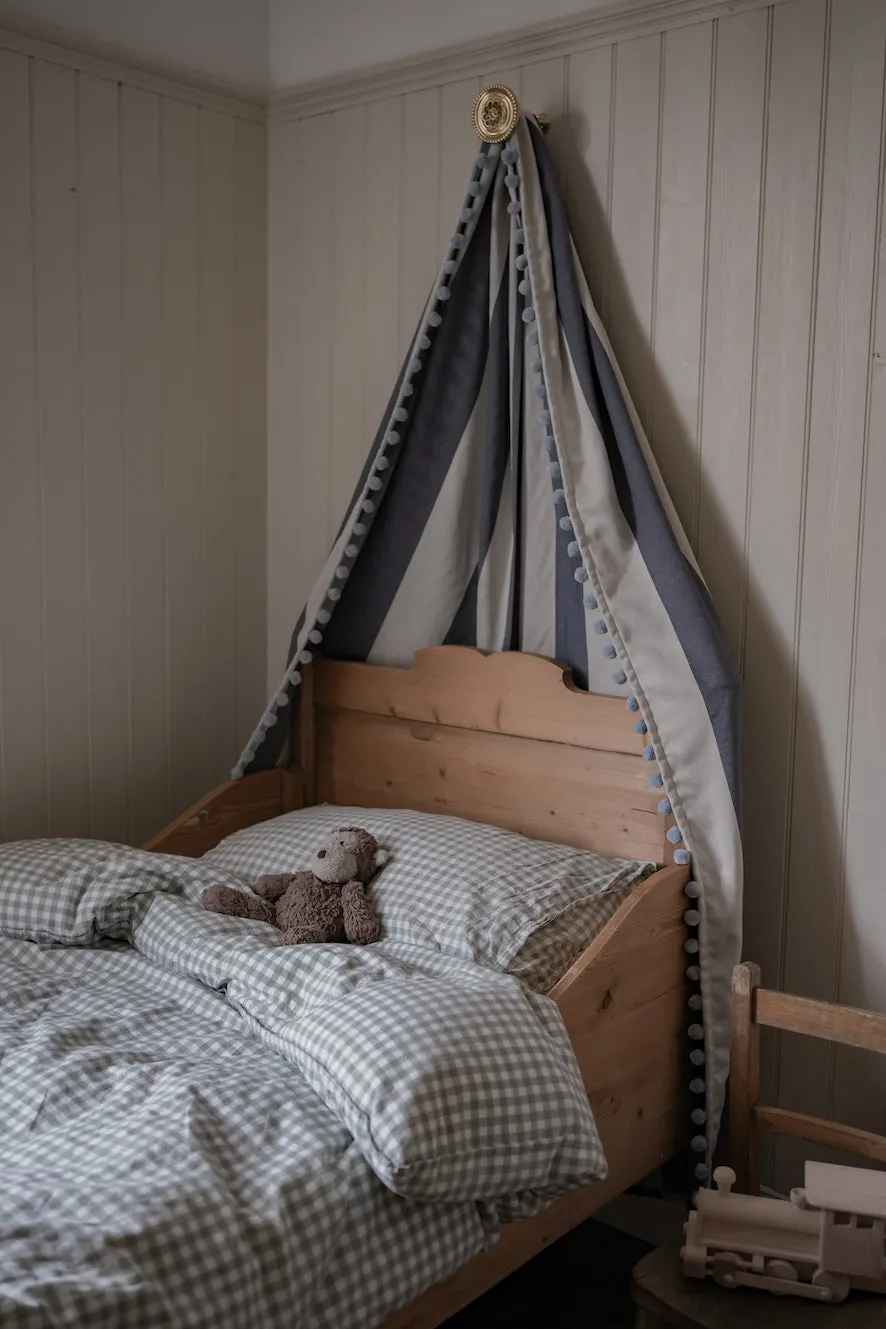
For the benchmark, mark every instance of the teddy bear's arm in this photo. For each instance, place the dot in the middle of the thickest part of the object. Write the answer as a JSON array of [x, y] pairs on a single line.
[[362, 924], [225, 900], [273, 886]]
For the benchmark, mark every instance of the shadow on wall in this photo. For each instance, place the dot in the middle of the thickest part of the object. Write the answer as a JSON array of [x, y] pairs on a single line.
[[796, 1073]]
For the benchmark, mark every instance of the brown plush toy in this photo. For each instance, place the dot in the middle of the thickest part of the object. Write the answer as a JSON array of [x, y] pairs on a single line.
[[328, 903]]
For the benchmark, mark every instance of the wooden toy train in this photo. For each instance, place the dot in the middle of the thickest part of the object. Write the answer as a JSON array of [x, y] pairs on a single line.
[[830, 1236]]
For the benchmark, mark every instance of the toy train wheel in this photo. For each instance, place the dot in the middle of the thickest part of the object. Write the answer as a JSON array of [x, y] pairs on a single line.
[[723, 1268], [784, 1271], [832, 1287]]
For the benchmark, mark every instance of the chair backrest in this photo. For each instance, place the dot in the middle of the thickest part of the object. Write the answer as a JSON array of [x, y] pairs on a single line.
[[754, 1007]]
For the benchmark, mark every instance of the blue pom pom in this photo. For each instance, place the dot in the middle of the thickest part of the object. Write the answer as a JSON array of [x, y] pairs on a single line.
[[341, 573], [691, 918], [407, 389], [533, 337], [373, 482], [640, 726], [333, 594], [632, 704], [549, 444], [649, 752], [401, 414], [620, 677], [695, 1002], [449, 266], [295, 677], [359, 528], [682, 857], [656, 779], [601, 628], [392, 437], [512, 180], [702, 1172], [525, 286], [572, 549], [424, 343], [698, 1117], [315, 636], [696, 1086], [693, 973], [509, 156], [609, 651], [480, 161], [559, 495], [368, 505], [692, 890], [382, 463], [699, 1143], [520, 237], [434, 319], [474, 189], [323, 616], [565, 524], [281, 699], [554, 470], [457, 242], [544, 417], [536, 366], [664, 807], [697, 1057], [675, 835], [415, 365], [443, 293], [351, 551], [541, 392], [305, 657], [514, 207], [521, 262], [580, 574], [466, 215], [696, 1033], [528, 315], [590, 601]]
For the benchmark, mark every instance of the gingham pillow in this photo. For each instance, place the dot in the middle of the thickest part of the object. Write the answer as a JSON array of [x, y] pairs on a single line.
[[467, 889], [447, 1091]]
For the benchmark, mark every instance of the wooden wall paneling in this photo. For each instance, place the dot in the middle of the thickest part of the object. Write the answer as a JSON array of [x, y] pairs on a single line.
[[220, 514], [382, 353], [296, 468], [589, 119], [98, 233], [544, 88], [250, 423], [143, 461], [420, 257], [778, 467], [61, 445], [348, 443], [858, 1088], [23, 792], [458, 148], [634, 217], [740, 116], [185, 661], [678, 315], [829, 555]]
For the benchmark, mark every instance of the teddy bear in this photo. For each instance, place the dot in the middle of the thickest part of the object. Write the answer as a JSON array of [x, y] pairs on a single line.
[[326, 903]]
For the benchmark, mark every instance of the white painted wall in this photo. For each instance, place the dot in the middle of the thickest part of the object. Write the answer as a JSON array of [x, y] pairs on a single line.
[[725, 184], [226, 39]]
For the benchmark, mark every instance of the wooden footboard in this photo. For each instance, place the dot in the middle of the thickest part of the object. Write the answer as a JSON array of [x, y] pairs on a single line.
[[623, 1002]]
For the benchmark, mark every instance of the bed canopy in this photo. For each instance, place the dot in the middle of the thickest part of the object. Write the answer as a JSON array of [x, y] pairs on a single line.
[[510, 501]]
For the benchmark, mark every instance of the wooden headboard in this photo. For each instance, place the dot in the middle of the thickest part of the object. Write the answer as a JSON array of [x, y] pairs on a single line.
[[505, 739]]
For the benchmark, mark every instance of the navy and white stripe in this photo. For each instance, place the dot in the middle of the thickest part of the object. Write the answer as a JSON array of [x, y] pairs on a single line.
[[511, 501]]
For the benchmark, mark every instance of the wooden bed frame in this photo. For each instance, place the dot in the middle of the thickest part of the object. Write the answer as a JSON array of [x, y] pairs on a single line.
[[509, 740]]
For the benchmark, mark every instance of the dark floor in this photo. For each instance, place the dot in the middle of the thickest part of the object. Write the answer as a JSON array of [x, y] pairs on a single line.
[[583, 1279]]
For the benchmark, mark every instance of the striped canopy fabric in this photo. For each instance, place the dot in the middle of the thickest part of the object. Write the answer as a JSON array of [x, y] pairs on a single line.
[[510, 501]]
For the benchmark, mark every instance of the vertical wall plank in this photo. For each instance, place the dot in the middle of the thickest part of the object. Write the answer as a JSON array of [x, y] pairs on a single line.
[[348, 443], [589, 120], [419, 207], [185, 661], [680, 286], [23, 794], [741, 90], [98, 228], [61, 441], [381, 310], [635, 213], [142, 433], [219, 514], [458, 149], [250, 422], [543, 85], [859, 1081]]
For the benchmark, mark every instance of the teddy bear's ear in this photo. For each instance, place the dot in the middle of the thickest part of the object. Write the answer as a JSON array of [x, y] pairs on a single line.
[[381, 857]]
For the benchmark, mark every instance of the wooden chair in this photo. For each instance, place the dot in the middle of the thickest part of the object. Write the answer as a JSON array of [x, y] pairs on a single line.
[[662, 1296]]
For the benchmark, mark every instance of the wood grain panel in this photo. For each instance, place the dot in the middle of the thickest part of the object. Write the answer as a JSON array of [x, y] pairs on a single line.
[[98, 232], [59, 406], [23, 774]]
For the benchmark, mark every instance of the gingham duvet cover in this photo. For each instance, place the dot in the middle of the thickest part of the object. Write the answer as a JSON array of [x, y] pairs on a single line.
[[203, 1127]]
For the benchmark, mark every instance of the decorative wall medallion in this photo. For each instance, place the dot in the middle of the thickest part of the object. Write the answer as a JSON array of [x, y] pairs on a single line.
[[496, 112]]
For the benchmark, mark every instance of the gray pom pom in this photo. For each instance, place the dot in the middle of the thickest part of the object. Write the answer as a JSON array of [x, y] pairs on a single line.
[[690, 946], [693, 973], [692, 918], [619, 677], [415, 365], [341, 573], [565, 524], [382, 464], [295, 677], [323, 616], [401, 414], [514, 207], [392, 437], [373, 482], [443, 293], [509, 156], [609, 651], [696, 1086], [424, 342], [699, 1143], [305, 657], [333, 594], [522, 262], [696, 1033], [554, 470], [466, 215], [692, 890], [697, 1057], [351, 551], [572, 549], [525, 286], [434, 319], [702, 1172], [315, 637], [367, 505], [559, 495], [699, 1116], [474, 189], [407, 389], [359, 528], [675, 835], [449, 266], [632, 704], [695, 1002], [457, 242], [519, 237], [528, 315], [580, 574], [601, 628]]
